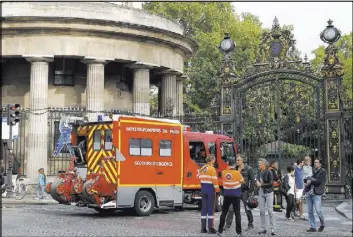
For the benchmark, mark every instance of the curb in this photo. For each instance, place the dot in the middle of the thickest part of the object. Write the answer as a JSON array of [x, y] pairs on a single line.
[[340, 209], [27, 202]]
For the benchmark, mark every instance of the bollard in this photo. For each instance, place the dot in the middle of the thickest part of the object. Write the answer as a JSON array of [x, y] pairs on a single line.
[[9, 175]]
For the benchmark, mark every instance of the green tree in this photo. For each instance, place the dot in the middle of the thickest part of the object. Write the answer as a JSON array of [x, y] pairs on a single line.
[[345, 56], [206, 23]]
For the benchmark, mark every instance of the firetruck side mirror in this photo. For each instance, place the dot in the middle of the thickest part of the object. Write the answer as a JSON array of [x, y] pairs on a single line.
[[119, 156]]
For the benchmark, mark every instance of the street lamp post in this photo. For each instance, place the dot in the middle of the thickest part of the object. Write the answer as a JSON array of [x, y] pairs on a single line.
[[227, 79], [332, 72]]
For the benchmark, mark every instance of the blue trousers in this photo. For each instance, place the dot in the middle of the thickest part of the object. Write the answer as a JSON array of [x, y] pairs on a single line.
[[207, 209], [311, 202]]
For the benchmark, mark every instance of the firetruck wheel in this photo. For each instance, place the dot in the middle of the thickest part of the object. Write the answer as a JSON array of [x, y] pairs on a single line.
[[144, 203]]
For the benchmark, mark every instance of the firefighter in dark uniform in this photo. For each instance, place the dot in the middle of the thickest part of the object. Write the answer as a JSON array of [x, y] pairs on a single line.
[[209, 188]]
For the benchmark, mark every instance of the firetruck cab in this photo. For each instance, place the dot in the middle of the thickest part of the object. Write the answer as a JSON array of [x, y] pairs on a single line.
[[197, 147]]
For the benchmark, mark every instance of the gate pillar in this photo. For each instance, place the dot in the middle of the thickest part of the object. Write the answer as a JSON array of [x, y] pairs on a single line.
[[332, 72], [228, 79]]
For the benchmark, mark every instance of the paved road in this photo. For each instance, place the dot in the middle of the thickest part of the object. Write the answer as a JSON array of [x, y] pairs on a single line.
[[63, 220]]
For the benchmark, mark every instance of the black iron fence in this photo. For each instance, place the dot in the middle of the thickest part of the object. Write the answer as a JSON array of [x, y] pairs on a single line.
[[348, 151], [200, 123], [196, 122]]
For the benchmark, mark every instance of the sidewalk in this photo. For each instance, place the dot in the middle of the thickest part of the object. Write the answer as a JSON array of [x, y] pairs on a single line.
[[29, 199], [345, 209]]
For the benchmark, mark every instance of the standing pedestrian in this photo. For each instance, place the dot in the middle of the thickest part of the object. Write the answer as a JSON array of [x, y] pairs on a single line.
[[288, 186], [318, 180], [232, 181], [307, 172], [209, 188], [307, 168], [276, 184], [41, 184], [299, 185], [246, 190], [264, 181]]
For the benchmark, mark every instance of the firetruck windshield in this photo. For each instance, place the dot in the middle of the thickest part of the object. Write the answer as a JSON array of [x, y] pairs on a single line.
[[227, 151]]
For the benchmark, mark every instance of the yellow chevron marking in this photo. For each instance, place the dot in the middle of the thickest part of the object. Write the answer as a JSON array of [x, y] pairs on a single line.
[[91, 131], [106, 127], [91, 158], [107, 171], [111, 166], [90, 142], [113, 169], [111, 126], [96, 169], [90, 146], [97, 158], [90, 152], [100, 126]]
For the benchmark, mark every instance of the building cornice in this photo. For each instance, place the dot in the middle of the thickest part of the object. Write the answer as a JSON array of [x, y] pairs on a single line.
[[110, 29]]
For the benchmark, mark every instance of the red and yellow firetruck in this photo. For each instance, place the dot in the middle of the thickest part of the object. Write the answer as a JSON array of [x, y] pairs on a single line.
[[139, 163]]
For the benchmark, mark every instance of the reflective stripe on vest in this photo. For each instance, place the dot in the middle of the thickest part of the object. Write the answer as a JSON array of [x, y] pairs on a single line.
[[231, 182]]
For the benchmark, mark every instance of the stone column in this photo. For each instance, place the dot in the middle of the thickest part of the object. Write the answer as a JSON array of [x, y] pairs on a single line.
[[141, 88], [168, 94], [38, 117], [179, 95], [94, 87]]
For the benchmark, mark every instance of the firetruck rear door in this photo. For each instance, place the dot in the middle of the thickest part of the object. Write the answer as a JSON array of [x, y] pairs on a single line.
[[101, 151]]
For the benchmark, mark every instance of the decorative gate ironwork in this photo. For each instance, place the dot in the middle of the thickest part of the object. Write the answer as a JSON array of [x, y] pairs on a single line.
[[281, 111], [278, 105], [279, 115]]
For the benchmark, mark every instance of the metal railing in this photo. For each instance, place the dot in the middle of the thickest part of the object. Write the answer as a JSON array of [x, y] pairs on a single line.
[[60, 163]]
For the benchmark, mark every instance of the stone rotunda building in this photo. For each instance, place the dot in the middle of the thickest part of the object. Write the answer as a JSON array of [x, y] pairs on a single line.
[[94, 56]]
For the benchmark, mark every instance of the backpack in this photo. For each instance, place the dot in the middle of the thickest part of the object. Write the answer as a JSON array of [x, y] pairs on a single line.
[[284, 188]]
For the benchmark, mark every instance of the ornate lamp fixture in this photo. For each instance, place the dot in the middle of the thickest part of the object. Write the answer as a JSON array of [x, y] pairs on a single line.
[[331, 34], [332, 67], [227, 45], [227, 76]]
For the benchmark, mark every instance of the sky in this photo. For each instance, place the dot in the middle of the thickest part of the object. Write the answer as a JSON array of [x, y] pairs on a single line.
[[308, 18]]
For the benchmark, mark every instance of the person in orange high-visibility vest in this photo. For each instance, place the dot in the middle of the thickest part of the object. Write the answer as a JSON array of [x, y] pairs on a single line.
[[209, 188], [232, 180]]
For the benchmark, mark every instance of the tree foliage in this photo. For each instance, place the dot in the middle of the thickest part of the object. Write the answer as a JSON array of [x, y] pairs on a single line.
[[206, 23]]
